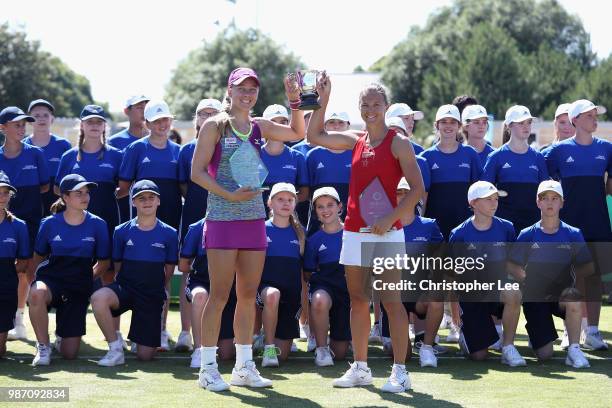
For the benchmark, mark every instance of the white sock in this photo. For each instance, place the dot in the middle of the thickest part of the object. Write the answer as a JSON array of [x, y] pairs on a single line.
[[592, 329], [362, 364], [19, 316], [208, 355], [504, 348], [267, 346], [499, 329], [401, 366], [244, 353], [115, 345]]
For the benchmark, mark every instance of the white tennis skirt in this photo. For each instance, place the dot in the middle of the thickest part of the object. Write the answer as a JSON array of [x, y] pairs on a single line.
[[360, 248]]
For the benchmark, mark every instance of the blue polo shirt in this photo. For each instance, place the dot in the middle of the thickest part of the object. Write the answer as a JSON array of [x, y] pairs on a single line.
[[27, 172], [53, 151], [519, 174], [142, 160], [581, 170], [283, 266], [144, 255], [322, 258], [14, 244], [193, 248], [451, 176], [72, 250], [196, 199], [101, 167]]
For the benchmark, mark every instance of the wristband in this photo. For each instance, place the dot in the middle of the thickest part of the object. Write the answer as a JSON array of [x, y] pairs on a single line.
[[294, 105]]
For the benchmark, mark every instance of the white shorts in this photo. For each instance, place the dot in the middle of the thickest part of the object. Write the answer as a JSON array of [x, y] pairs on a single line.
[[360, 248]]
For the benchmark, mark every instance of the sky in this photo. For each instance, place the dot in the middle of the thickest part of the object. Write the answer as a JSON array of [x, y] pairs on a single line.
[[131, 47]]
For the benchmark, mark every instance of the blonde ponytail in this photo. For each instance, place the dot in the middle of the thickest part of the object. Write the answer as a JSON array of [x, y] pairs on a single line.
[[58, 206], [299, 231]]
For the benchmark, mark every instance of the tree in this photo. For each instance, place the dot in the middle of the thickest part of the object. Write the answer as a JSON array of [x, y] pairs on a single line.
[[27, 73], [502, 51], [596, 87], [203, 74]]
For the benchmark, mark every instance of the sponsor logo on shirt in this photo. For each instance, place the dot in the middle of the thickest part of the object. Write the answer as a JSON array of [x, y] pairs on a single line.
[[348, 166], [57, 238], [564, 246], [106, 165], [600, 157], [29, 167], [465, 165], [158, 245], [535, 246], [129, 243], [89, 239], [534, 167], [289, 166], [295, 241], [173, 161], [320, 166], [10, 240], [54, 159], [435, 166], [506, 166], [569, 160], [420, 239], [322, 247], [146, 160], [499, 244]]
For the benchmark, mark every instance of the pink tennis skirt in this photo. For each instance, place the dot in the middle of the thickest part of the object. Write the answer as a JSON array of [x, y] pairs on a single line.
[[246, 235]]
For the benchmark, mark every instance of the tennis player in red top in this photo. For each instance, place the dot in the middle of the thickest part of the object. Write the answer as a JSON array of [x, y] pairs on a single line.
[[384, 154]]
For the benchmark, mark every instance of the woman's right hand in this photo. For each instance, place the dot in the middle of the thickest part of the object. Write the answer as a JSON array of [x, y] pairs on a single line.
[[323, 88], [242, 194]]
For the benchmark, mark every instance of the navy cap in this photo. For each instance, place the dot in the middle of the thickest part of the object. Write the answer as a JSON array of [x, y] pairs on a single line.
[[144, 186], [14, 114], [41, 102], [74, 182], [6, 182], [93, 111]]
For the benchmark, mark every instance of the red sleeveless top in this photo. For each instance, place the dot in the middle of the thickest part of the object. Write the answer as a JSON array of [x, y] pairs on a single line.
[[367, 164]]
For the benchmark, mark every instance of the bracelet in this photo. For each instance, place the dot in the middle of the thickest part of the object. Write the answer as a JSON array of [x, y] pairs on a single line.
[[294, 105]]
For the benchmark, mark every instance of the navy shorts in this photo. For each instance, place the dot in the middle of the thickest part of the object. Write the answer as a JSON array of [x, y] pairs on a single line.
[[70, 308], [384, 321], [8, 308], [340, 312], [145, 327], [477, 325], [540, 325], [289, 309], [227, 318]]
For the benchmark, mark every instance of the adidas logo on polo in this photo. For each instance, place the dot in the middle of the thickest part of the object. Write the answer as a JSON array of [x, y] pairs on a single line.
[[471, 247], [129, 243], [600, 157], [57, 238], [506, 166], [535, 246], [569, 160], [76, 166], [268, 239], [146, 160], [322, 247], [435, 166], [320, 166]]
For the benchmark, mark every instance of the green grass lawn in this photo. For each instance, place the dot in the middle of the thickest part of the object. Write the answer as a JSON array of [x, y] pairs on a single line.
[[169, 382]]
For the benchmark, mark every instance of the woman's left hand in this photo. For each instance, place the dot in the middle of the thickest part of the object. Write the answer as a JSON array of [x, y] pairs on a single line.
[[383, 225], [292, 90]]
